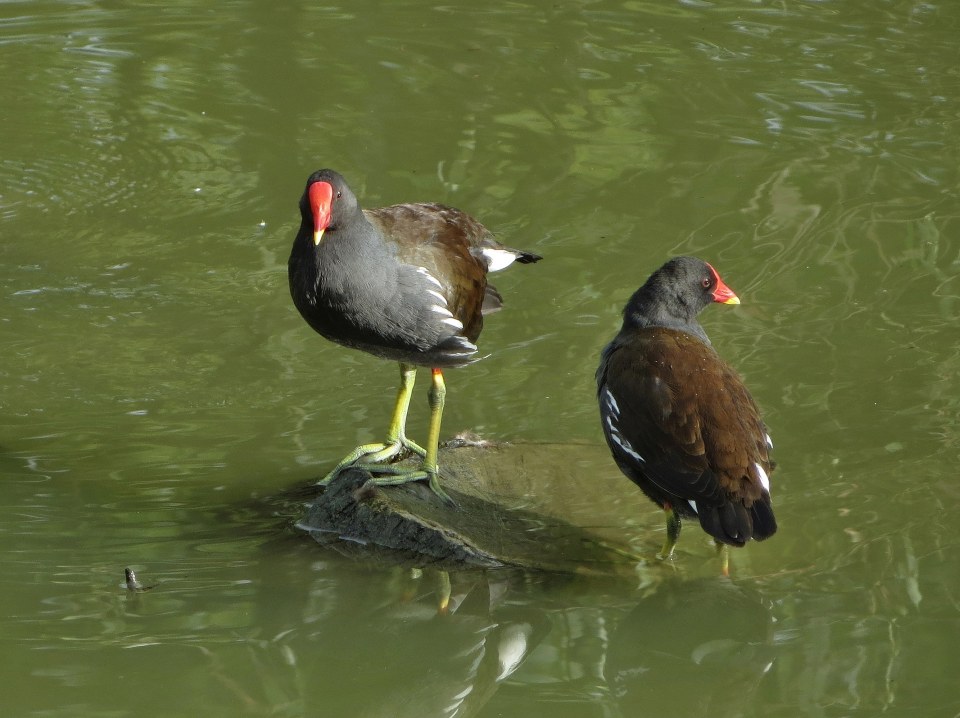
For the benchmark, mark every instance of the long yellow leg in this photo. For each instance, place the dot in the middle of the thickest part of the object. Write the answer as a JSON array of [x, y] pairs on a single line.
[[723, 551], [398, 422], [368, 455], [673, 532], [429, 470], [437, 398]]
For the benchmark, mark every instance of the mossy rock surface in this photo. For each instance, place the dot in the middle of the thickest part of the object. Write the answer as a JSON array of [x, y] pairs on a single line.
[[529, 506]]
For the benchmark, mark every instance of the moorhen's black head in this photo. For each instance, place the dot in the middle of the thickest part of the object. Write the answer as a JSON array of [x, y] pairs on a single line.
[[674, 295], [327, 202]]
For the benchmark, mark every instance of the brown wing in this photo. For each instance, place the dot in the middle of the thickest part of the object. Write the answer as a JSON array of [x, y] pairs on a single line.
[[439, 239], [695, 425]]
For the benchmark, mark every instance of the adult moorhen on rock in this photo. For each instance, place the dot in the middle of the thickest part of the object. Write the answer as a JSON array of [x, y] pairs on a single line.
[[406, 282], [679, 421]]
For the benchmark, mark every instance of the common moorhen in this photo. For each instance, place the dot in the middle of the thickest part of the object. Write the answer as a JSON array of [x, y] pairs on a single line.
[[678, 419], [406, 282]]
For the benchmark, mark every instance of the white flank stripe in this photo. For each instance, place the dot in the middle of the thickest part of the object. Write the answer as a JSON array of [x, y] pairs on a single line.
[[625, 445], [426, 273], [769, 441], [441, 310], [437, 295], [618, 439], [466, 347], [497, 259], [455, 323], [764, 479], [611, 402], [693, 505]]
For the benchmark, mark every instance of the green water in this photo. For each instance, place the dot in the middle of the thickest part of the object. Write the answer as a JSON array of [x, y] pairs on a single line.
[[160, 396]]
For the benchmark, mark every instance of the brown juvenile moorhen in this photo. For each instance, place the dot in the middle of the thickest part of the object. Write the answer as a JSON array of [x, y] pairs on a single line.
[[406, 282], [679, 421]]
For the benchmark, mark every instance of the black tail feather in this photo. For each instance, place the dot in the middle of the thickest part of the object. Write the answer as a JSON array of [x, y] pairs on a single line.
[[735, 524], [525, 257], [764, 523]]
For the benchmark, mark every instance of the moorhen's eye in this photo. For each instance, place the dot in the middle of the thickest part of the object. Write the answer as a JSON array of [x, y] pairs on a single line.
[[339, 195], [705, 282]]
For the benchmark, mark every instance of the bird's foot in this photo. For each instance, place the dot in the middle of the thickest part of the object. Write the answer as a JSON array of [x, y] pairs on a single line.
[[368, 456], [666, 551], [412, 446], [673, 533], [390, 451], [396, 475]]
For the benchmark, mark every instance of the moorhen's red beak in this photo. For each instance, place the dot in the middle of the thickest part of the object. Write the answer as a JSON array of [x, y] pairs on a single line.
[[321, 203], [722, 293]]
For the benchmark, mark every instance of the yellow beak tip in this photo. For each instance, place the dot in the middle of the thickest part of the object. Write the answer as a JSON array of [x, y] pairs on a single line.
[[733, 300]]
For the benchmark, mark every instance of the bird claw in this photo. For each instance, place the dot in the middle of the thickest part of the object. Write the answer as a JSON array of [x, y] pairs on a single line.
[[405, 476], [377, 458], [438, 490], [412, 446], [369, 456]]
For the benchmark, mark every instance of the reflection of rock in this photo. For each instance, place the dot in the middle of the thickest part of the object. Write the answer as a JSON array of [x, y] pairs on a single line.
[[443, 682], [404, 659], [693, 648]]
